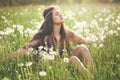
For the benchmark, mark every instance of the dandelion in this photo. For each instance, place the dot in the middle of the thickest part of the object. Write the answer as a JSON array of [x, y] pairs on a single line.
[[94, 23], [70, 15], [101, 19], [117, 56], [35, 22], [42, 73], [52, 52], [84, 10], [19, 28], [30, 49], [95, 45], [118, 28], [20, 64], [7, 31], [42, 52], [28, 63], [111, 32], [118, 19], [40, 47], [66, 60], [35, 52], [101, 45], [102, 38], [0, 37], [3, 17], [49, 57]]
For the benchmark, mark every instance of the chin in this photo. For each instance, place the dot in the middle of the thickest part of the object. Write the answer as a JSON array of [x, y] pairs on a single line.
[[62, 21]]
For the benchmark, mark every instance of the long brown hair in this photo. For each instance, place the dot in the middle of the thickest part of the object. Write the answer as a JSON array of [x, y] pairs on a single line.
[[46, 29]]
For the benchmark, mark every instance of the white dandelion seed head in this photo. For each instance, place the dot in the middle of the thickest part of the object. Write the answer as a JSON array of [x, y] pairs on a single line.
[[30, 49], [94, 45], [40, 47], [7, 31], [28, 63], [20, 64], [49, 57], [52, 52], [110, 32], [42, 73], [66, 60], [117, 56], [118, 28], [101, 45], [30, 32], [42, 52], [3, 17], [19, 28]]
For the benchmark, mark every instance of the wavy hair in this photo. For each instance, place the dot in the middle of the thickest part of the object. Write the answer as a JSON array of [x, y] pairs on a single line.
[[46, 28]]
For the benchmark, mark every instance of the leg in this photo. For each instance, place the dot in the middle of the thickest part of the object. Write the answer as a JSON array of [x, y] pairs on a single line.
[[77, 64], [82, 51]]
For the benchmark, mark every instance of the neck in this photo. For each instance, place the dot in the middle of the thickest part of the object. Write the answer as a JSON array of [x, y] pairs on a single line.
[[56, 30]]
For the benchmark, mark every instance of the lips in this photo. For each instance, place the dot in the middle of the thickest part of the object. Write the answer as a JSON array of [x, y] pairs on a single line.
[[62, 18]]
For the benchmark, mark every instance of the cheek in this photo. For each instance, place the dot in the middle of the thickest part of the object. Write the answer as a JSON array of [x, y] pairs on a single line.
[[57, 20], [54, 20]]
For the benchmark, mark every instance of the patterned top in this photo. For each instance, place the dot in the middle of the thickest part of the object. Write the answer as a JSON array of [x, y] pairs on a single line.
[[52, 42]]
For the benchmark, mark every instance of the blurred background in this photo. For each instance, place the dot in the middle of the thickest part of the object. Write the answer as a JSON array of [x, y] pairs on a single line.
[[34, 2]]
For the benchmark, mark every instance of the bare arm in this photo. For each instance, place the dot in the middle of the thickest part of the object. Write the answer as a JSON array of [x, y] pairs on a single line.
[[22, 51], [72, 36]]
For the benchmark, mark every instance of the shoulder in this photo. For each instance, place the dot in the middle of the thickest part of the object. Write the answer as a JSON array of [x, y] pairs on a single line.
[[69, 32]]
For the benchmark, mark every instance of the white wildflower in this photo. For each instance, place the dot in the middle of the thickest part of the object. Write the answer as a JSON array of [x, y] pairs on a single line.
[[84, 9], [40, 47], [70, 15], [3, 17], [7, 31], [94, 23], [101, 45], [35, 22], [30, 49], [42, 73], [101, 19], [29, 63], [66, 60], [49, 57], [19, 28], [118, 28], [95, 45], [111, 32], [30, 32], [117, 56], [52, 52], [20, 64], [42, 54]]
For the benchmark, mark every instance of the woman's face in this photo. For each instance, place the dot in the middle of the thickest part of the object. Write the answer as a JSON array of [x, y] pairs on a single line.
[[57, 16]]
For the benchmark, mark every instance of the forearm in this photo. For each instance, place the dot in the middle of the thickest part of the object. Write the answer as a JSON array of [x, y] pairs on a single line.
[[18, 53]]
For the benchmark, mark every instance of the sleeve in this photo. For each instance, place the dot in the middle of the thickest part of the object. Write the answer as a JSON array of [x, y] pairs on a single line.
[[73, 37]]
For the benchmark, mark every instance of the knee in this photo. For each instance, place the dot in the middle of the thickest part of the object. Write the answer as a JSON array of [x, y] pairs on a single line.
[[82, 47], [74, 59]]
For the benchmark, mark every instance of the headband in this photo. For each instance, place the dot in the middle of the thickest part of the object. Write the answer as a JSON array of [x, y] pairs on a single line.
[[49, 13]]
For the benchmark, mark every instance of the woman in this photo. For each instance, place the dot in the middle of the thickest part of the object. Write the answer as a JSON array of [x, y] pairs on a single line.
[[53, 32]]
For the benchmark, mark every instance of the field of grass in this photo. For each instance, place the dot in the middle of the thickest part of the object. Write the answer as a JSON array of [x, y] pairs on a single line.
[[96, 22]]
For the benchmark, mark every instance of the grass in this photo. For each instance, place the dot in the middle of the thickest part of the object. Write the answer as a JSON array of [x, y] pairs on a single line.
[[18, 24]]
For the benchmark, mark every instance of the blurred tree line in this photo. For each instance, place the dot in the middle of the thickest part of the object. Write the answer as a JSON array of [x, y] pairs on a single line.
[[27, 2]]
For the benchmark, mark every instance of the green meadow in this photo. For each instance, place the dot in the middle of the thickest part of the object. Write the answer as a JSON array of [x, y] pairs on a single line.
[[98, 22]]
